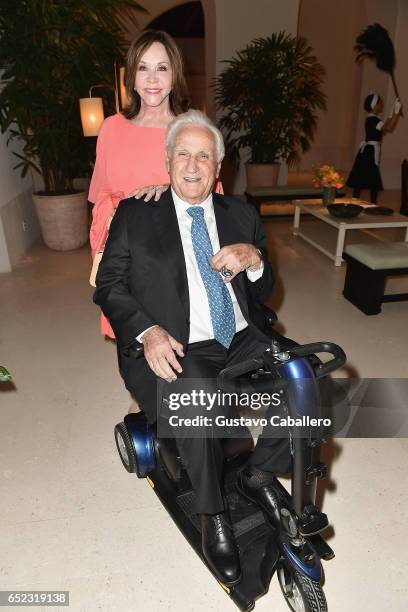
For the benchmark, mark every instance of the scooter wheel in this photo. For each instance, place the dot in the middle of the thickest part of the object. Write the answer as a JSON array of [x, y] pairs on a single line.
[[125, 448], [301, 593]]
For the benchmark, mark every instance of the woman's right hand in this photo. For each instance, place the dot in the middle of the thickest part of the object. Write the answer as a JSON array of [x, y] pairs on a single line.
[[150, 191]]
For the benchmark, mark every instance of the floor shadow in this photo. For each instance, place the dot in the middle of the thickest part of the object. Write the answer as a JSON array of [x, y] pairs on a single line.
[[7, 386], [329, 453], [350, 371]]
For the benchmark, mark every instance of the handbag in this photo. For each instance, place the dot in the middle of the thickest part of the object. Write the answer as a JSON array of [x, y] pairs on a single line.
[[102, 215]]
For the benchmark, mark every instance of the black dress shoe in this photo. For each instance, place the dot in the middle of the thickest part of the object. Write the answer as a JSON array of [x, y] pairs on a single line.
[[262, 489], [219, 548]]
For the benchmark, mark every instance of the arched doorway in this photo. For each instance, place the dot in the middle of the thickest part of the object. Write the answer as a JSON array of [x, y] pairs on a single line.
[[185, 23]]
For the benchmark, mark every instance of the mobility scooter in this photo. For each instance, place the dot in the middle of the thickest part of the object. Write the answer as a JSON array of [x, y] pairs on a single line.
[[293, 547]]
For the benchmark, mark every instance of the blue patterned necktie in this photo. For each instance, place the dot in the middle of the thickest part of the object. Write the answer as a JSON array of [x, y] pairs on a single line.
[[219, 299]]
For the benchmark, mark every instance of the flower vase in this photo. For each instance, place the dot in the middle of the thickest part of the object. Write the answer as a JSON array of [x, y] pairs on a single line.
[[328, 195]]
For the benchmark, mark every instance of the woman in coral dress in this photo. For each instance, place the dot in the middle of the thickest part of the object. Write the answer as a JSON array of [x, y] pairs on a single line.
[[130, 152]]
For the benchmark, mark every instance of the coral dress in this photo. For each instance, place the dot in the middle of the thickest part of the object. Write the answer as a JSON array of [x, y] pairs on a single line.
[[128, 157]]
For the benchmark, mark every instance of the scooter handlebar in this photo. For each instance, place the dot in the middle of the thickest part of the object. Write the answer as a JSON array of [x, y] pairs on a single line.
[[227, 376], [339, 356], [241, 368], [250, 365]]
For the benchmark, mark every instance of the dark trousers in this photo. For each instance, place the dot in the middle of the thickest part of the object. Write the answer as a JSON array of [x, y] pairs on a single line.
[[202, 455]]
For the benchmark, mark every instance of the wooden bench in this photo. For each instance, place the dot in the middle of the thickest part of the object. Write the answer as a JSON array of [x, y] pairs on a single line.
[[368, 266], [284, 193]]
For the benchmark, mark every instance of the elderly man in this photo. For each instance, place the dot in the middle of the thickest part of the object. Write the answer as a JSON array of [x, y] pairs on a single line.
[[182, 276]]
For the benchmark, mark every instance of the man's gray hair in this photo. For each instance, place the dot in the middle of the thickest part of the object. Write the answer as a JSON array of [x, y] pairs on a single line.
[[195, 118]]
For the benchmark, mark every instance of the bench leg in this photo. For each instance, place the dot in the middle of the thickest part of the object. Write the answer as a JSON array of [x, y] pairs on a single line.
[[296, 220], [338, 260], [364, 287]]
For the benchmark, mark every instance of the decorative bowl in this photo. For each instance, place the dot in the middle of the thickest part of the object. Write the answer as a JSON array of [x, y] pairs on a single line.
[[344, 211]]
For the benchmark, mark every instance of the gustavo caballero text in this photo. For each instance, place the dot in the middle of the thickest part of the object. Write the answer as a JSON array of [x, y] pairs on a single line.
[[245, 421]]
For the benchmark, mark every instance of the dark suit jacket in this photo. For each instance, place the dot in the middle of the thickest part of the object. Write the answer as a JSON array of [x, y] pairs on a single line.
[[142, 278]]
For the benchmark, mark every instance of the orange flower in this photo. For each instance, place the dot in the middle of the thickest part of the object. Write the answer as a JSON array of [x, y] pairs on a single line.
[[327, 176]]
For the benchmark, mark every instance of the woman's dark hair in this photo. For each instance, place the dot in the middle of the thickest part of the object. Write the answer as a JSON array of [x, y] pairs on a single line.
[[178, 99], [368, 101]]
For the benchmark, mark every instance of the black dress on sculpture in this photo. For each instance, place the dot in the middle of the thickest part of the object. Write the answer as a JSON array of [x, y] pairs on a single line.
[[365, 173]]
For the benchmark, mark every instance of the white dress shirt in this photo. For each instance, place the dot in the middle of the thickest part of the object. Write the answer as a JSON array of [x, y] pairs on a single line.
[[200, 318]]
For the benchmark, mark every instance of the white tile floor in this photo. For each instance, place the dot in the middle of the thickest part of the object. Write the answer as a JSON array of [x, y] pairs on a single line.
[[72, 518]]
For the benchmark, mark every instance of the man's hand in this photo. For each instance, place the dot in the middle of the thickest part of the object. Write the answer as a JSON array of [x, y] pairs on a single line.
[[159, 349], [149, 191], [236, 258]]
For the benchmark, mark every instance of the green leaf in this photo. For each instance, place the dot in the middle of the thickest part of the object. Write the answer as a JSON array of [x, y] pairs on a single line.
[[5, 375]]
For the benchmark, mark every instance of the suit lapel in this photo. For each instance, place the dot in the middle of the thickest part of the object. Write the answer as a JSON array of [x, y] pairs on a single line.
[[225, 225], [228, 233], [168, 235]]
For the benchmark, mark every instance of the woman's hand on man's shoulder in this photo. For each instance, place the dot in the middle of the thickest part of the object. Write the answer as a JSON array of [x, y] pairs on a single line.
[[150, 192]]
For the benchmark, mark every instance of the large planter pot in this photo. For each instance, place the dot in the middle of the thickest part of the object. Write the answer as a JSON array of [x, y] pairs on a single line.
[[63, 220], [262, 175]]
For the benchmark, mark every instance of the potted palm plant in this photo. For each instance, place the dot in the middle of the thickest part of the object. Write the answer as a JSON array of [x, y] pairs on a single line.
[[50, 54], [270, 94]]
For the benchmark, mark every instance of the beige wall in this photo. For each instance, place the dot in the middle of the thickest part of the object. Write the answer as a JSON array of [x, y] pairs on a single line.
[[237, 24], [11, 183], [193, 50], [372, 79], [155, 8], [15, 207], [229, 26], [331, 29], [395, 146]]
